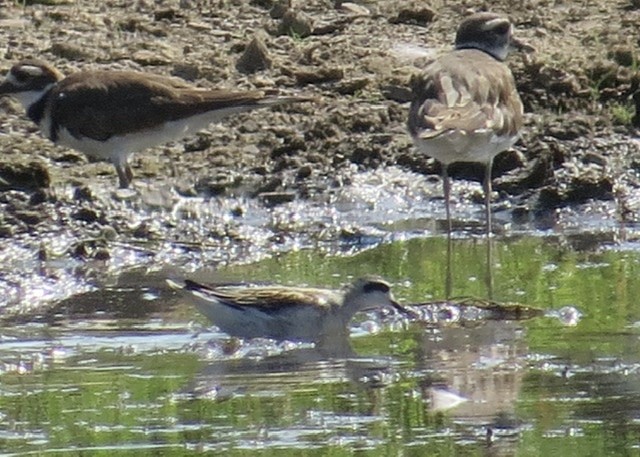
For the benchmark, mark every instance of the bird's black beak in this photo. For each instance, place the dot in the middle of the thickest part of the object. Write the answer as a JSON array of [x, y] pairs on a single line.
[[521, 46], [408, 312]]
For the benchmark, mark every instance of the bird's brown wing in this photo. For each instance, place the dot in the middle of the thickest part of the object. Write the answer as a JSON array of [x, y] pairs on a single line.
[[265, 298], [100, 105], [468, 91]]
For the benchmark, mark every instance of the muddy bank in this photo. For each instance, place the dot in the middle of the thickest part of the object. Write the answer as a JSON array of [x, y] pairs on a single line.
[[271, 180]]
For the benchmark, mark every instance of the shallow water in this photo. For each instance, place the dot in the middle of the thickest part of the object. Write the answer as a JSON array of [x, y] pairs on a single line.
[[146, 375]]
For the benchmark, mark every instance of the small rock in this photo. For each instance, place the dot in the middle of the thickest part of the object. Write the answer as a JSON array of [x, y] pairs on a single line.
[[291, 146], [11, 106], [186, 71], [145, 231], [296, 24], [168, 14], [129, 24], [41, 196], [238, 211], [7, 231], [199, 26], [85, 215], [68, 51], [584, 188], [70, 157], [269, 186], [304, 172], [367, 156], [354, 8], [108, 233], [415, 16], [255, 57], [319, 75], [200, 142], [215, 185], [13, 23], [624, 56], [400, 94], [83, 194], [150, 58], [102, 254], [29, 217], [351, 86], [43, 254], [595, 158], [279, 8], [548, 198], [333, 27], [80, 250], [272, 199], [18, 176], [521, 214], [266, 4]]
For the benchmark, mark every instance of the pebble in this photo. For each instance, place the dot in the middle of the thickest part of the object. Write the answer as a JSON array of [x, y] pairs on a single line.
[[354, 8], [255, 57], [279, 9], [271, 199], [414, 16], [20, 176], [296, 24]]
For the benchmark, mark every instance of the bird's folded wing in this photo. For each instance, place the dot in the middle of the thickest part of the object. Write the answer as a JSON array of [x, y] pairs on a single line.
[[266, 299], [450, 95], [100, 107]]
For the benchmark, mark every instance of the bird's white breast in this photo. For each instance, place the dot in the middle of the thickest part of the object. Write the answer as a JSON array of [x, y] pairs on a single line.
[[459, 146]]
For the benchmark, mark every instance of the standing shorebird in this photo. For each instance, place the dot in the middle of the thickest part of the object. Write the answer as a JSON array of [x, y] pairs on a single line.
[[111, 114], [466, 107], [288, 313]]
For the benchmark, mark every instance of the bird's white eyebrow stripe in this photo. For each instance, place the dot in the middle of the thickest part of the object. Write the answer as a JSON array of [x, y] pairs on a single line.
[[31, 70], [493, 23]]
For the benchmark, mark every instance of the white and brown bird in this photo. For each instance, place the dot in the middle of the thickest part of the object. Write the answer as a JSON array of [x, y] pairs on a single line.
[[465, 106], [288, 313], [111, 114]]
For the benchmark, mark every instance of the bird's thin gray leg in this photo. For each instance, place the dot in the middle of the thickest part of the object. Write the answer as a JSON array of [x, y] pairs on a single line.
[[129, 174], [487, 197], [489, 271], [125, 175], [487, 203], [446, 184], [446, 187], [448, 282]]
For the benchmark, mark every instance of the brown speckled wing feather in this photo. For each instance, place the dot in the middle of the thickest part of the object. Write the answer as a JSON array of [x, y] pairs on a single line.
[[465, 90], [99, 105], [267, 299]]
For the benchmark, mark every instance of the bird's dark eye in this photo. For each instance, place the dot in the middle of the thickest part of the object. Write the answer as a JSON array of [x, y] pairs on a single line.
[[502, 29], [377, 286], [20, 76]]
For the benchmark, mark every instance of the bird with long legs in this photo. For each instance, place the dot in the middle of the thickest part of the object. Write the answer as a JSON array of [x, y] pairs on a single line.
[[465, 105]]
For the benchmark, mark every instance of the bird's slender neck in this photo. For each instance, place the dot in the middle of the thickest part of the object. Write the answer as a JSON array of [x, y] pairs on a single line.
[[355, 301], [497, 53]]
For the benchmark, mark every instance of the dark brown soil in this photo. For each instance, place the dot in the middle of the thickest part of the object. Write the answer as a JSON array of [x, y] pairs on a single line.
[[580, 90]]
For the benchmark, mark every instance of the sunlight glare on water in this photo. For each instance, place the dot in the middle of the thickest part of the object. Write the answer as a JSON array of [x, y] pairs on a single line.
[[147, 374]]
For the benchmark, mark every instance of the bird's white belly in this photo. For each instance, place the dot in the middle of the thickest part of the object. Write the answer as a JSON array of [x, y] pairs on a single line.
[[297, 324], [454, 146], [118, 147]]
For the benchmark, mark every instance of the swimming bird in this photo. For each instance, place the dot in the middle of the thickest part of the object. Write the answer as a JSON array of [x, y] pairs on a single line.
[[111, 114], [287, 313], [465, 105]]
